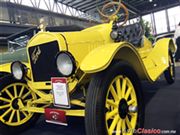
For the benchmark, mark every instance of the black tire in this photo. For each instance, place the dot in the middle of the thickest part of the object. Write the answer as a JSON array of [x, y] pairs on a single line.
[[96, 97], [170, 77], [13, 130]]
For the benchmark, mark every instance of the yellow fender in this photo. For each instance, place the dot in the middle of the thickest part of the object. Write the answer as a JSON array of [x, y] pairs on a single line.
[[149, 68], [166, 43], [158, 59], [5, 68], [100, 58]]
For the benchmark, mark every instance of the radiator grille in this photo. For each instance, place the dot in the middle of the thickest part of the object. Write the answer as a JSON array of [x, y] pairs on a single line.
[[42, 58]]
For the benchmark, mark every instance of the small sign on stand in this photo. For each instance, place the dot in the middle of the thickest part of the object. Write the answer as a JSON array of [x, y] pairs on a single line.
[[60, 92]]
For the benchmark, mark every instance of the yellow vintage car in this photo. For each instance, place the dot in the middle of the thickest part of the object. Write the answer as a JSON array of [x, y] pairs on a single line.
[[94, 73]]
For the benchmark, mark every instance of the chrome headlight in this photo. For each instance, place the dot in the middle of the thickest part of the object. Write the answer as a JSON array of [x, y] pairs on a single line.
[[18, 70], [65, 63]]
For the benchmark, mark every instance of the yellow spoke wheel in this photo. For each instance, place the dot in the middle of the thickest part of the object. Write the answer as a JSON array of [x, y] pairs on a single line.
[[14, 96], [120, 97], [11, 96], [114, 102], [169, 74]]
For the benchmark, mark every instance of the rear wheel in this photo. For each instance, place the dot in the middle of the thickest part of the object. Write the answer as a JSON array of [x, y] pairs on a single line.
[[169, 74], [14, 94], [114, 102]]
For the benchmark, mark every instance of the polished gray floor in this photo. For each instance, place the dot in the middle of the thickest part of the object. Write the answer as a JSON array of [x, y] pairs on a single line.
[[162, 111]]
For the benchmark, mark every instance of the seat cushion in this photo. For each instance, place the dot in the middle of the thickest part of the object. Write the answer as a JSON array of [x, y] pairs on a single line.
[[132, 33]]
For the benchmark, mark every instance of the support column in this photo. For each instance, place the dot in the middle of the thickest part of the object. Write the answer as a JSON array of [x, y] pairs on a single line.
[[153, 23], [167, 20]]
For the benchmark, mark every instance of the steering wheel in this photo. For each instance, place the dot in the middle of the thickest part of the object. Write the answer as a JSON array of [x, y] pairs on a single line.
[[117, 6]]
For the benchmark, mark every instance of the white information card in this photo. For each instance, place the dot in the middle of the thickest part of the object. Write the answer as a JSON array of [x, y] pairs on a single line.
[[60, 92]]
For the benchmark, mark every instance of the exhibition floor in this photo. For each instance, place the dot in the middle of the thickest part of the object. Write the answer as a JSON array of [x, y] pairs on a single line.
[[162, 111]]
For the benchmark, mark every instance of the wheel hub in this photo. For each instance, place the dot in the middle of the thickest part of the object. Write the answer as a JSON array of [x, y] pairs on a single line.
[[123, 108], [15, 103]]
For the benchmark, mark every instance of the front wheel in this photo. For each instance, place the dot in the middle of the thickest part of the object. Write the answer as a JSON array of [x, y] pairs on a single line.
[[13, 94], [114, 103]]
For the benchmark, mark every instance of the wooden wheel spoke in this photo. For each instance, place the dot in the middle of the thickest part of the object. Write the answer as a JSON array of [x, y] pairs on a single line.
[[5, 99], [118, 128], [112, 103], [118, 88], [21, 91], [111, 114], [5, 106], [127, 94], [27, 94], [18, 116], [133, 114], [9, 94], [123, 127], [128, 123], [114, 94], [130, 102], [114, 124], [27, 100], [25, 114], [6, 112], [124, 86], [11, 116], [15, 91]]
